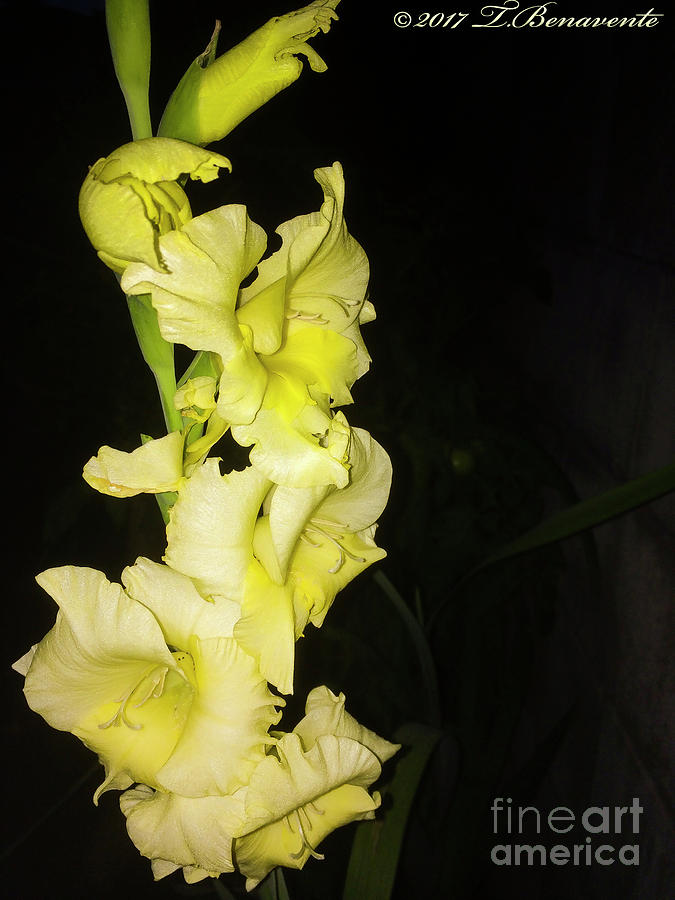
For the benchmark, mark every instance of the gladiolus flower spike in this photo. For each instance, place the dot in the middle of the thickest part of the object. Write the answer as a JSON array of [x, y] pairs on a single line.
[[176, 676]]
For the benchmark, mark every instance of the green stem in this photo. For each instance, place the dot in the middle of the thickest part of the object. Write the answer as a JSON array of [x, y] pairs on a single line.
[[158, 354], [128, 25]]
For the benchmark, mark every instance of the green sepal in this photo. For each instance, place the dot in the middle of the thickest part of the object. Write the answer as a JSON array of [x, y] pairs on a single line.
[[182, 112], [202, 364]]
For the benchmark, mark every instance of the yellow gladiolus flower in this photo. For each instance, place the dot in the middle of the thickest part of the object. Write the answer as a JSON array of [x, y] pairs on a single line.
[[285, 567], [318, 539], [289, 344], [297, 797], [132, 196], [195, 297], [151, 680], [312, 781]]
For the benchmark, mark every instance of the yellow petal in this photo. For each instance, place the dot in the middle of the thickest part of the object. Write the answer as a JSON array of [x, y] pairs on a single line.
[[195, 398], [328, 269], [360, 504], [172, 831], [352, 508], [242, 384], [177, 605], [295, 445], [266, 628], [210, 531], [325, 713], [325, 270], [158, 159], [264, 315], [153, 468], [197, 450], [318, 570], [296, 797], [206, 262], [316, 358], [282, 843], [226, 734]]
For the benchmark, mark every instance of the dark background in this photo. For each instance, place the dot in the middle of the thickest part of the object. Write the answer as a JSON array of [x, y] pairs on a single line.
[[514, 192]]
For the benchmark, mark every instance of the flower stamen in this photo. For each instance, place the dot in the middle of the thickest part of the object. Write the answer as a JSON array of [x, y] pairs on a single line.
[[157, 677], [328, 523], [156, 688], [306, 846], [306, 317], [317, 529], [342, 302]]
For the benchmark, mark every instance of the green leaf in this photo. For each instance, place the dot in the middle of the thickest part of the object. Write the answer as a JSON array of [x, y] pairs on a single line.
[[220, 890], [377, 845], [575, 520], [424, 655], [590, 513], [128, 24], [273, 887]]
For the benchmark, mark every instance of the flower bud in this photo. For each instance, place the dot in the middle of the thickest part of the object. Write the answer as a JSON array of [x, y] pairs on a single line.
[[215, 95], [131, 197]]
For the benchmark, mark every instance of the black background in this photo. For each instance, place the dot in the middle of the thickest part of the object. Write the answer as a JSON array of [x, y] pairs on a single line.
[[514, 192]]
